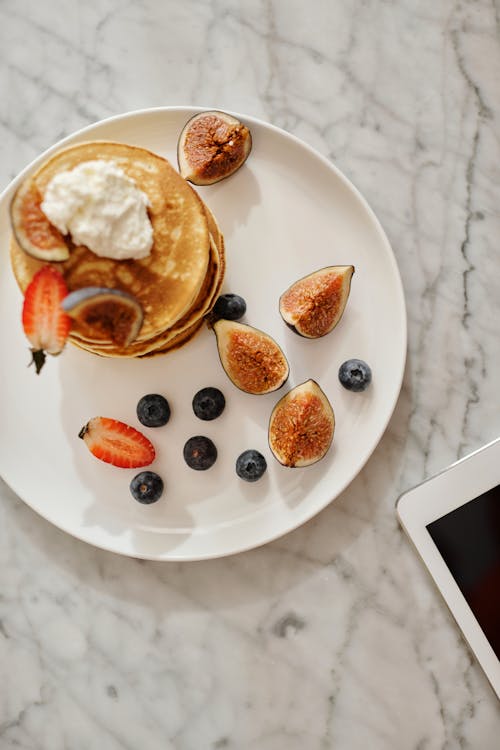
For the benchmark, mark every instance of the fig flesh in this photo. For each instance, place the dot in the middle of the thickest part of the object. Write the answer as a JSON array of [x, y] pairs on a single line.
[[313, 305], [108, 314], [252, 359], [33, 231], [301, 426], [212, 146]]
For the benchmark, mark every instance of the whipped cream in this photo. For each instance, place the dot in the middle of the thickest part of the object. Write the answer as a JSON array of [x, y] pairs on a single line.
[[102, 208]]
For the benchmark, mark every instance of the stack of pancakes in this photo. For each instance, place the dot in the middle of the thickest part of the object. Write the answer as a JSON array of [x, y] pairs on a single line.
[[176, 285]]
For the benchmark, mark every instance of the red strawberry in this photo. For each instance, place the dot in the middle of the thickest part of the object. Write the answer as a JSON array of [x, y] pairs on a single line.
[[117, 443], [44, 321]]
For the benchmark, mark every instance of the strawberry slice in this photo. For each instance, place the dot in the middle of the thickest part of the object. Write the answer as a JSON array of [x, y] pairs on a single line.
[[117, 443], [44, 321]]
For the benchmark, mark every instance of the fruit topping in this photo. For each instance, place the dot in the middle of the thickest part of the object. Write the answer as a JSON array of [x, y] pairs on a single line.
[[44, 321], [301, 426], [250, 465], [229, 307], [208, 403], [200, 453], [117, 443], [108, 313], [212, 145], [153, 410], [251, 358], [314, 305], [355, 375], [32, 229], [146, 487]]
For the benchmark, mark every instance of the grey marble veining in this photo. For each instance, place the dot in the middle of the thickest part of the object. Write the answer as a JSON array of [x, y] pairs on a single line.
[[346, 645]]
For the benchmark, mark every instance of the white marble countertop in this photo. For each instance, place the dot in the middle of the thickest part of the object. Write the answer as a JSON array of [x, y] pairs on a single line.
[[346, 645]]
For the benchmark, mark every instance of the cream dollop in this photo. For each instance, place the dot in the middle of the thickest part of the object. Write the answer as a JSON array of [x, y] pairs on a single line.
[[102, 208]]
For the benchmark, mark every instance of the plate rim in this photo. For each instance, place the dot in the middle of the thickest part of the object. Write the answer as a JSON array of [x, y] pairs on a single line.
[[191, 110]]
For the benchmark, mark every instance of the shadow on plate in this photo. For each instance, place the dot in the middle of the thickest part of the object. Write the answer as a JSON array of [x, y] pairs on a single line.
[[268, 571], [112, 507], [232, 198]]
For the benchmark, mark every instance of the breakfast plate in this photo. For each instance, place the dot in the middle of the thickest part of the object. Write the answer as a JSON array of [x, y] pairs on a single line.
[[287, 212]]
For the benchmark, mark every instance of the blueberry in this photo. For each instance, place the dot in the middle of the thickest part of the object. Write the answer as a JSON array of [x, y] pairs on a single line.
[[146, 487], [208, 403], [355, 375], [153, 410], [230, 307], [250, 465], [200, 453]]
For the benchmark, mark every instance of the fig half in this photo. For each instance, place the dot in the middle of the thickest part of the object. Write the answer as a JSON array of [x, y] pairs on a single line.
[[252, 359], [108, 314], [314, 305], [33, 231], [212, 146], [301, 426]]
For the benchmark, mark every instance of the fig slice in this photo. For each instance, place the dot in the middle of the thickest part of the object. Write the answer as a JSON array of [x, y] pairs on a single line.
[[251, 358], [33, 231], [301, 426], [313, 305], [102, 313], [212, 146]]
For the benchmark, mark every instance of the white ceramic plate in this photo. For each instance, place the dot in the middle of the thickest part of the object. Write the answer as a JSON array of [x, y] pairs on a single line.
[[287, 212]]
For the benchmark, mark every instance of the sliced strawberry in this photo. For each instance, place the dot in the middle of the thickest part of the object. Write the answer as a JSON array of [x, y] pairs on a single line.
[[44, 321], [117, 443]]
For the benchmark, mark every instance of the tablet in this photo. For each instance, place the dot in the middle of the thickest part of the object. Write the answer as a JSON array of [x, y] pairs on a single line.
[[453, 520]]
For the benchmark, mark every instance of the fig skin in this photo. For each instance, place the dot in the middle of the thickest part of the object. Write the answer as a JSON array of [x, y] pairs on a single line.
[[252, 359], [99, 307], [27, 218], [295, 443], [317, 310], [212, 146]]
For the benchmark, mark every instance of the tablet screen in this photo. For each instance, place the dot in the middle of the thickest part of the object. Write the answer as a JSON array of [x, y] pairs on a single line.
[[468, 539]]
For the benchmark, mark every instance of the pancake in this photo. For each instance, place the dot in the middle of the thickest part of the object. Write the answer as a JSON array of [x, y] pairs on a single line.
[[168, 281], [136, 346], [200, 307], [190, 325], [188, 334], [213, 226], [188, 255], [176, 343]]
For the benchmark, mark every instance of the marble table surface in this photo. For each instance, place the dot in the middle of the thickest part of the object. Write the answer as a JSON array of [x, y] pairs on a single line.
[[333, 636]]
